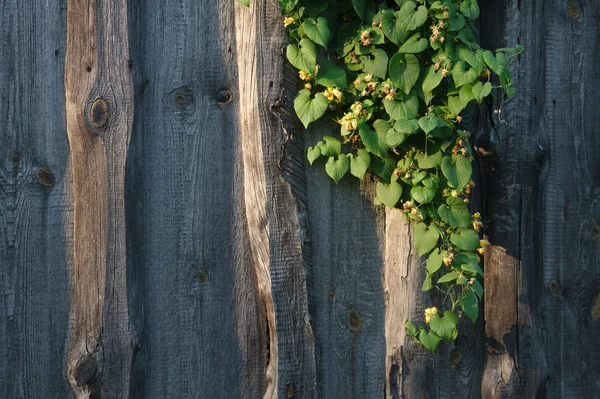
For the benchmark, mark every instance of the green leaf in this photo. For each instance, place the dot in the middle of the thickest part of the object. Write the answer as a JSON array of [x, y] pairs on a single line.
[[457, 169], [360, 6], [492, 62], [468, 303], [389, 194], [472, 268], [406, 126], [426, 238], [463, 74], [360, 163], [455, 212], [411, 17], [383, 168], [470, 9], [245, 3], [414, 45], [429, 340], [336, 169], [448, 277], [404, 71], [481, 91], [430, 122], [457, 22], [435, 260], [313, 153], [330, 146], [427, 284], [422, 194], [477, 289], [398, 109], [309, 109], [317, 31], [375, 141], [395, 138], [286, 6], [466, 94], [467, 55], [456, 105], [392, 28], [427, 161], [465, 239], [445, 326], [376, 63], [432, 80], [303, 57], [331, 75], [410, 329]]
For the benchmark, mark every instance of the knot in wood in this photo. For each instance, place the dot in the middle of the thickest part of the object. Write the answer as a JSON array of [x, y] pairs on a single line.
[[183, 98], [99, 113], [354, 320], [573, 10], [45, 177], [223, 98], [202, 278], [85, 371], [454, 357], [554, 287]]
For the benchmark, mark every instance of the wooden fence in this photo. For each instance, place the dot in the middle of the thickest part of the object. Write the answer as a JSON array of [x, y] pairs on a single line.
[[161, 235]]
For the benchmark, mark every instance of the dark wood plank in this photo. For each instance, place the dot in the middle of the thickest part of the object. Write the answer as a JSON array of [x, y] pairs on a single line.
[[35, 209], [199, 323]]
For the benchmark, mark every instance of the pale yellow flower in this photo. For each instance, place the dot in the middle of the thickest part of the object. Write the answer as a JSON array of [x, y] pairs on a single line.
[[288, 21]]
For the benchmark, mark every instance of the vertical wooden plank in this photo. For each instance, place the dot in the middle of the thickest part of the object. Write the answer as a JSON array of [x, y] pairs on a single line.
[[35, 210], [285, 206], [348, 307], [199, 323], [99, 110]]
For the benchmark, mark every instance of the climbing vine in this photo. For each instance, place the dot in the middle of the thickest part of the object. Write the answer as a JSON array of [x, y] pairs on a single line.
[[395, 76]]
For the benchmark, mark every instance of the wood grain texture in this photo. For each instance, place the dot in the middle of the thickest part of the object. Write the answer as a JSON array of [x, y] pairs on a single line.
[[199, 323], [99, 114], [283, 165], [35, 209]]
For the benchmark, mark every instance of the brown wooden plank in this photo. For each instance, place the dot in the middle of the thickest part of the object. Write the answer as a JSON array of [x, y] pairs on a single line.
[[99, 110]]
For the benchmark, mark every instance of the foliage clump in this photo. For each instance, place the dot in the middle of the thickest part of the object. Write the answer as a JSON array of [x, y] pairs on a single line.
[[396, 75]]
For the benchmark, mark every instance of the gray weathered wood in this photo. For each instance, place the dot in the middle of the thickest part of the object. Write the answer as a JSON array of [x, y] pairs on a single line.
[[35, 209]]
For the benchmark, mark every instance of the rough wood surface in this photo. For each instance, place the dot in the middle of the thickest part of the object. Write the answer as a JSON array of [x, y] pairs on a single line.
[[35, 209]]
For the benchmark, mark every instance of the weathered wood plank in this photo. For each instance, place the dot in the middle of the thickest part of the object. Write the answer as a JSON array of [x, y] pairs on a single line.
[[99, 113], [35, 208], [199, 321]]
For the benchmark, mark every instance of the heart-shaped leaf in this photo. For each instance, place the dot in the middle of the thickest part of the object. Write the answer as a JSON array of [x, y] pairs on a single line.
[[444, 327], [422, 194], [470, 9], [331, 75], [313, 153], [303, 57], [336, 169], [468, 303], [404, 71], [411, 17], [360, 6], [406, 126], [330, 146], [375, 141], [309, 109], [376, 63], [467, 55], [465, 239], [429, 340], [471, 268], [426, 238], [414, 45], [392, 28], [455, 212], [466, 94], [457, 169], [360, 163], [389, 194], [430, 122], [427, 161], [410, 329], [432, 80], [435, 260], [456, 105], [399, 109], [481, 91], [317, 31], [427, 284], [463, 74], [448, 277]]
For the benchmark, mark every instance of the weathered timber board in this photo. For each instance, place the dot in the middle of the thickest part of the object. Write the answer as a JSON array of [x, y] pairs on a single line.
[[35, 211]]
